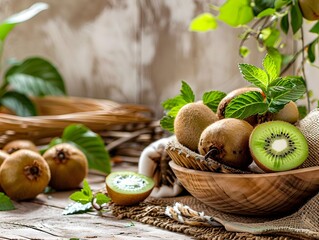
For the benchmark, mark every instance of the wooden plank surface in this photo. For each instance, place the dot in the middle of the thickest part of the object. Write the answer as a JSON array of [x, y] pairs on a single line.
[[42, 218]]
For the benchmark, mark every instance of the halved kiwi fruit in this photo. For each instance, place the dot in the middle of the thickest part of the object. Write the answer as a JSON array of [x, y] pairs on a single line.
[[278, 146], [128, 188]]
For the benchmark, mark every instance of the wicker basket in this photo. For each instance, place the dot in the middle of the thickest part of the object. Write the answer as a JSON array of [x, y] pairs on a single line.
[[184, 157], [116, 123]]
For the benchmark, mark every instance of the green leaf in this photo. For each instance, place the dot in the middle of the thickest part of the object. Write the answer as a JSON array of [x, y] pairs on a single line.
[[91, 144], [7, 25], [101, 198], [296, 18], [312, 51], [203, 22], [270, 67], [236, 12], [254, 75], [277, 57], [212, 99], [261, 5], [284, 24], [173, 102], [302, 111], [315, 28], [77, 208], [270, 36], [5, 203], [266, 12], [187, 93], [84, 196], [246, 105], [244, 51], [167, 123], [283, 90], [80, 197], [174, 111], [35, 76], [281, 3], [19, 103]]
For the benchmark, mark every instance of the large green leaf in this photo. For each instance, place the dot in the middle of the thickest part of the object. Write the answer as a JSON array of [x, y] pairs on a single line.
[[246, 105], [203, 22], [19, 103], [35, 76], [236, 12], [91, 144], [283, 90], [212, 99], [254, 75], [7, 25]]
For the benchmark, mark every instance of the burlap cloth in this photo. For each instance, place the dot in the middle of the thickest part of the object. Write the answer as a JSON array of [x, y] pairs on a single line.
[[195, 219]]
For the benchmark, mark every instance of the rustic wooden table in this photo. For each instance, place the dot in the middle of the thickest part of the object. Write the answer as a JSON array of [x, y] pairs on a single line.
[[42, 218]]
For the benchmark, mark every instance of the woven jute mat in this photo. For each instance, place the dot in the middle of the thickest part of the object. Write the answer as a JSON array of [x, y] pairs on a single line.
[[187, 215]]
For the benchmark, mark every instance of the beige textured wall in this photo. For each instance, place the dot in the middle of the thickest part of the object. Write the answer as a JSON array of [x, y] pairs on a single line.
[[135, 51]]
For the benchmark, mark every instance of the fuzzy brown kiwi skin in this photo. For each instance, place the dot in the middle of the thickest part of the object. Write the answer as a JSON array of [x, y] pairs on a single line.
[[16, 145], [253, 120], [24, 174], [227, 141], [3, 156], [190, 121], [68, 166], [289, 113]]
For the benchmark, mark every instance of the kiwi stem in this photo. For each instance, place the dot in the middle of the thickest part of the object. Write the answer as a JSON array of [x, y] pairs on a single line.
[[212, 153]]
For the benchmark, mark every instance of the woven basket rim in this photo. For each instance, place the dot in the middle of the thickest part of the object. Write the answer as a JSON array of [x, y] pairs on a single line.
[[198, 160]]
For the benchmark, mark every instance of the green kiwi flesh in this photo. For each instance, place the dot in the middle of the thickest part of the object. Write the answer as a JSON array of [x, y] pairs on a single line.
[[128, 188], [278, 146]]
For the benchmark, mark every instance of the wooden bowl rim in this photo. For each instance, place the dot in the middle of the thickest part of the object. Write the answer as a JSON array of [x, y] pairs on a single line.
[[241, 175]]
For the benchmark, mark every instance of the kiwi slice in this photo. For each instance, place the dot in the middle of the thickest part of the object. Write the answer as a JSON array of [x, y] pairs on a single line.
[[278, 146], [128, 188]]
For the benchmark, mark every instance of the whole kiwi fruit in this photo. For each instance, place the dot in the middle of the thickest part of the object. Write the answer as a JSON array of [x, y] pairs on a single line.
[[3, 156], [128, 188], [68, 166], [289, 113], [16, 145], [253, 120], [24, 174], [309, 9], [227, 141], [278, 146], [190, 121]]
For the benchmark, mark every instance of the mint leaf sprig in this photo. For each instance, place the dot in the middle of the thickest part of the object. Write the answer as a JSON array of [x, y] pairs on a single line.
[[173, 105], [277, 91], [86, 201]]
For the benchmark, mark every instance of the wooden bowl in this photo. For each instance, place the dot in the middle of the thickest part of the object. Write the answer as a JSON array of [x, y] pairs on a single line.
[[250, 194]]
